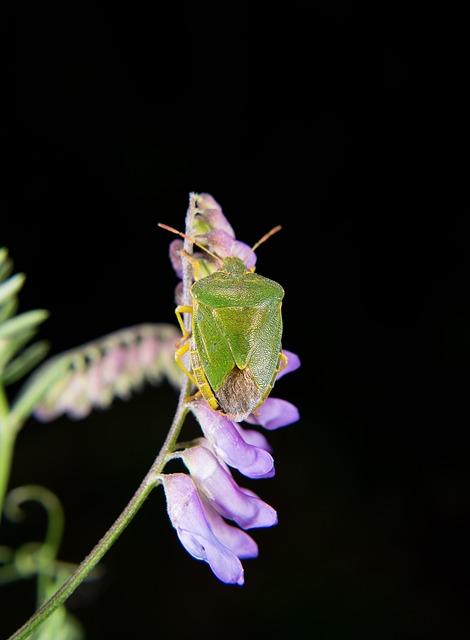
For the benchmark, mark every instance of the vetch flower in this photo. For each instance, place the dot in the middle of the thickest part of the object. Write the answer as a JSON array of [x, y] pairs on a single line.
[[189, 517], [239, 542], [176, 247], [222, 244], [212, 490], [211, 229], [229, 445], [223, 493], [210, 216], [274, 413], [253, 437]]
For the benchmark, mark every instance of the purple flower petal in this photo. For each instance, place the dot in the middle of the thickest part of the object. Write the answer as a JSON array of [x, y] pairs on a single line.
[[226, 246], [75, 400], [253, 437], [179, 299], [176, 246], [113, 364], [148, 350], [242, 545], [44, 413], [229, 445], [212, 213], [223, 493], [274, 413], [133, 366], [189, 518], [293, 363], [98, 391]]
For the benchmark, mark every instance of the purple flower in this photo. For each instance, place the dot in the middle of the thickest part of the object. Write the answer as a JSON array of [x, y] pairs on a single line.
[[211, 214], [176, 247], [250, 436], [229, 445], [199, 536], [225, 246], [239, 542], [148, 351], [212, 229], [274, 413], [113, 364], [223, 493]]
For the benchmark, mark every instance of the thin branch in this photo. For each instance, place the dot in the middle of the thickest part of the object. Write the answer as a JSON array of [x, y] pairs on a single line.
[[148, 483]]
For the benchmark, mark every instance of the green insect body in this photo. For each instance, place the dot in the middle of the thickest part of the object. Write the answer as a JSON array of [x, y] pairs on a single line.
[[235, 347]]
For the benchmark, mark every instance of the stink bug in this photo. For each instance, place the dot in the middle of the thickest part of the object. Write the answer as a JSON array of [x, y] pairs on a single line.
[[235, 339]]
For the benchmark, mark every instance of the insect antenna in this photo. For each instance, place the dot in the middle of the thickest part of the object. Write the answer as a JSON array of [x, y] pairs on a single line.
[[266, 237], [184, 235]]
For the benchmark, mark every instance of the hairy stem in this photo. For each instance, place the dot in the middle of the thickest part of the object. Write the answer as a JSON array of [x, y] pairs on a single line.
[[148, 483], [113, 533]]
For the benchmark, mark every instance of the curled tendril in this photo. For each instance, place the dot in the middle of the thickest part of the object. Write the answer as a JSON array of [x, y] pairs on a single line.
[[39, 558], [35, 558], [52, 506]]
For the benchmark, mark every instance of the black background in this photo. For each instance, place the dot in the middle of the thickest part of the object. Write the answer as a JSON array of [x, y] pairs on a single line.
[[348, 129]]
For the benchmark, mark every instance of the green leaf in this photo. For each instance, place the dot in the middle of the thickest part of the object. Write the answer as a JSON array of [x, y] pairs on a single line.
[[26, 361], [36, 388], [6, 269], [8, 309], [12, 346], [11, 287], [3, 255], [23, 322]]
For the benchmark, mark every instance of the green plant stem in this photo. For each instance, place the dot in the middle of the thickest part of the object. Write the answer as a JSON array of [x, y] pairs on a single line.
[[3, 404], [113, 533], [148, 483], [7, 444]]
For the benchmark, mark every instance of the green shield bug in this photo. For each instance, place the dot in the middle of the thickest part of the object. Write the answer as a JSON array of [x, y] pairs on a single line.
[[235, 339]]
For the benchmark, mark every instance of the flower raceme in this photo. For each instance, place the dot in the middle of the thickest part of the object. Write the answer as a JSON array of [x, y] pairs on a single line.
[[110, 367], [203, 532], [199, 504]]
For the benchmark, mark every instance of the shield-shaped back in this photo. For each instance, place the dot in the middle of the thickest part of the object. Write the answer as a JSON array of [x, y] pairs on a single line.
[[237, 327]]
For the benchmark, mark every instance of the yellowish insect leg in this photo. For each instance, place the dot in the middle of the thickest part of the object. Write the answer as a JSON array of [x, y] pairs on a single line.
[[283, 361], [180, 309], [179, 353]]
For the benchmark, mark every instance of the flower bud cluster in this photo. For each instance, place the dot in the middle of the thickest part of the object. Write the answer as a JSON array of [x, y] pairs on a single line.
[[111, 367]]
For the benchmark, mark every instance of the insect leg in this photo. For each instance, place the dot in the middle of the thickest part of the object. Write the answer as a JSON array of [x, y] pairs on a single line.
[[195, 264], [201, 380], [180, 309], [282, 364], [179, 353]]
